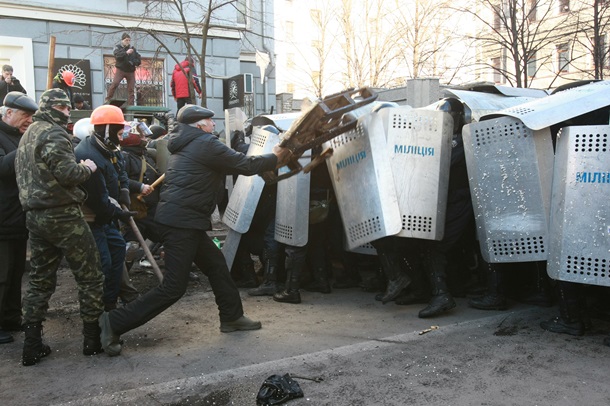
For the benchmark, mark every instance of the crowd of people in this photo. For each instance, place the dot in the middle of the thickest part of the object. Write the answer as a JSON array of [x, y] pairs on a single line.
[[77, 197]]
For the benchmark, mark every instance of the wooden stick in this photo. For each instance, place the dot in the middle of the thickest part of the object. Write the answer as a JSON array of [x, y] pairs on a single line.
[[144, 246], [154, 185], [51, 62]]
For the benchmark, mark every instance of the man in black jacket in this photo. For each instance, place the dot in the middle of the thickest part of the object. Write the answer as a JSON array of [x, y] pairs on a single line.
[[16, 118], [9, 83], [127, 60], [197, 165]]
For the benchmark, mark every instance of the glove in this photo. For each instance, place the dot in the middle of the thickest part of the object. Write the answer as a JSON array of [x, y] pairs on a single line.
[[237, 138], [124, 197], [125, 215]]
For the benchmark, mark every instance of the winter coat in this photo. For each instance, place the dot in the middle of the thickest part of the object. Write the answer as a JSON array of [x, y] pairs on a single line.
[[106, 181], [125, 62], [47, 172], [133, 166], [180, 84], [15, 86], [197, 166], [12, 217]]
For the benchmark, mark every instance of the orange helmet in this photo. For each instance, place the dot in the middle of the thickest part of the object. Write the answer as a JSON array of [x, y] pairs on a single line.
[[68, 77], [107, 114]]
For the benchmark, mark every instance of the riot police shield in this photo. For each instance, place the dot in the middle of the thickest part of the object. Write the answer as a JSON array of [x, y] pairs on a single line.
[[580, 219], [481, 104], [419, 146], [292, 209], [363, 182], [162, 155], [247, 190], [510, 173]]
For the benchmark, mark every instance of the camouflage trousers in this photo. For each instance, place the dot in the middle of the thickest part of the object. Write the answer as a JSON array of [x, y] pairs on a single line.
[[55, 233]]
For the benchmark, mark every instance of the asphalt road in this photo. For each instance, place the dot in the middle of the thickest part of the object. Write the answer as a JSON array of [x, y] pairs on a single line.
[[366, 354]]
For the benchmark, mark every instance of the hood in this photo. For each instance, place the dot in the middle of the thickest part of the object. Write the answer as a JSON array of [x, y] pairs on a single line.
[[181, 136], [185, 65]]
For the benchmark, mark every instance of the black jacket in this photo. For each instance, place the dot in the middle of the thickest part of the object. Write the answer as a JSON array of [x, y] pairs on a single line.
[[15, 86], [12, 217], [124, 62], [196, 168], [133, 166], [105, 182]]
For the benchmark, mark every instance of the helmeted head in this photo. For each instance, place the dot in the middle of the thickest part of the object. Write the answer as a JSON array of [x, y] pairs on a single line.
[[456, 109], [68, 78], [57, 104], [157, 131], [18, 110], [82, 128], [133, 139], [108, 124]]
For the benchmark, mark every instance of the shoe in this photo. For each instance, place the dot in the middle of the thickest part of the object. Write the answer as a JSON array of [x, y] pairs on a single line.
[[133, 251], [145, 263], [288, 296], [438, 304], [241, 324], [488, 302], [268, 288], [559, 325], [6, 337], [110, 341]]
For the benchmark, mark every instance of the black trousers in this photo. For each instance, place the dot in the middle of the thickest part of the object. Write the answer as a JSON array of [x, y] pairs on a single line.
[[182, 248], [12, 260]]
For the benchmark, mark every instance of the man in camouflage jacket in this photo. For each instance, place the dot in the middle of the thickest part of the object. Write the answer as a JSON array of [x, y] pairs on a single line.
[[48, 177]]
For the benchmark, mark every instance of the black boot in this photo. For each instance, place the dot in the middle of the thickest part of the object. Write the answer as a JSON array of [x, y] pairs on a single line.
[[442, 300], [33, 348], [294, 263], [269, 286], [320, 282], [418, 291], [541, 294], [397, 277], [91, 343], [568, 321], [494, 298], [248, 277]]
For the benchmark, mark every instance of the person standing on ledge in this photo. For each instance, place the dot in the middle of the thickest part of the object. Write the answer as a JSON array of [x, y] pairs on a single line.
[[127, 60]]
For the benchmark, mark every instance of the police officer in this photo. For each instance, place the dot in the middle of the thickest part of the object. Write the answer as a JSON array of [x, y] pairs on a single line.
[[48, 177], [16, 118], [197, 165]]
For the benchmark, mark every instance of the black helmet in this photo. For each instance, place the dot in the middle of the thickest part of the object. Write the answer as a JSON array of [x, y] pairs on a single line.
[[157, 131], [18, 100], [192, 113], [455, 108]]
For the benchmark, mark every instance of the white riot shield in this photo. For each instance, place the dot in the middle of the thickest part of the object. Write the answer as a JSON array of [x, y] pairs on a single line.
[[561, 106], [292, 209], [247, 190], [580, 209], [419, 143], [510, 170], [362, 179], [234, 121], [481, 104]]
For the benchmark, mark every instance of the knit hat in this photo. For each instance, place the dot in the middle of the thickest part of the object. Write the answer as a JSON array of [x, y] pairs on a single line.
[[125, 35]]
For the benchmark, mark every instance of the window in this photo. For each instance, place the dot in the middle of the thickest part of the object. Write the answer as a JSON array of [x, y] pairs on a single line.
[[563, 57], [290, 60], [497, 10], [531, 16], [531, 67], [564, 6], [496, 63], [289, 30], [243, 12], [150, 86]]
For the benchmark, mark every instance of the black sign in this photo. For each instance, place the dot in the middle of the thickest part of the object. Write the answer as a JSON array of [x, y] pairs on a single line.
[[82, 75], [233, 92]]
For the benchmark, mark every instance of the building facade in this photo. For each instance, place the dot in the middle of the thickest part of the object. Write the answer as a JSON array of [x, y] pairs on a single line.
[[85, 34]]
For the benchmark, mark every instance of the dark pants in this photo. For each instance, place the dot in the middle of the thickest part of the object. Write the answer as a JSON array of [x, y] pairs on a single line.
[[12, 260], [130, 77], [182, 101], [182, 247], [111, 247]]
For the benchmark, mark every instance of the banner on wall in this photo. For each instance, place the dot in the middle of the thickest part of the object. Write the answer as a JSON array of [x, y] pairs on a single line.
[[233, 92], [82, 75]]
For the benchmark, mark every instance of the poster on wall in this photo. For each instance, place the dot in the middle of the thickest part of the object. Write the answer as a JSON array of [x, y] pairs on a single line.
[[82, 75], [233, 92]]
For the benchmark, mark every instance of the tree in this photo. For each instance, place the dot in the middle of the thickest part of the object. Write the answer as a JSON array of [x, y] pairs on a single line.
[[594, 22], [521, 30]]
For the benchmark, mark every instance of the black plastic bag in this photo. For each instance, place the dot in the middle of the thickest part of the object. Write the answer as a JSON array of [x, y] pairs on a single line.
[[278, 389]]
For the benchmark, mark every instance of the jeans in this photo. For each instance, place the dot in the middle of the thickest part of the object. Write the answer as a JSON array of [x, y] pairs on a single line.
[[111, 247]]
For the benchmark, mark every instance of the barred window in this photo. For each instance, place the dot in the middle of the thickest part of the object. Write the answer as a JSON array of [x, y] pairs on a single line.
[[150, 86]]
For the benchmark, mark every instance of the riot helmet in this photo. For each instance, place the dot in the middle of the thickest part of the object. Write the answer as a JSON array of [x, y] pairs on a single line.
[[456, 109], [82, 128], [109, 123]]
